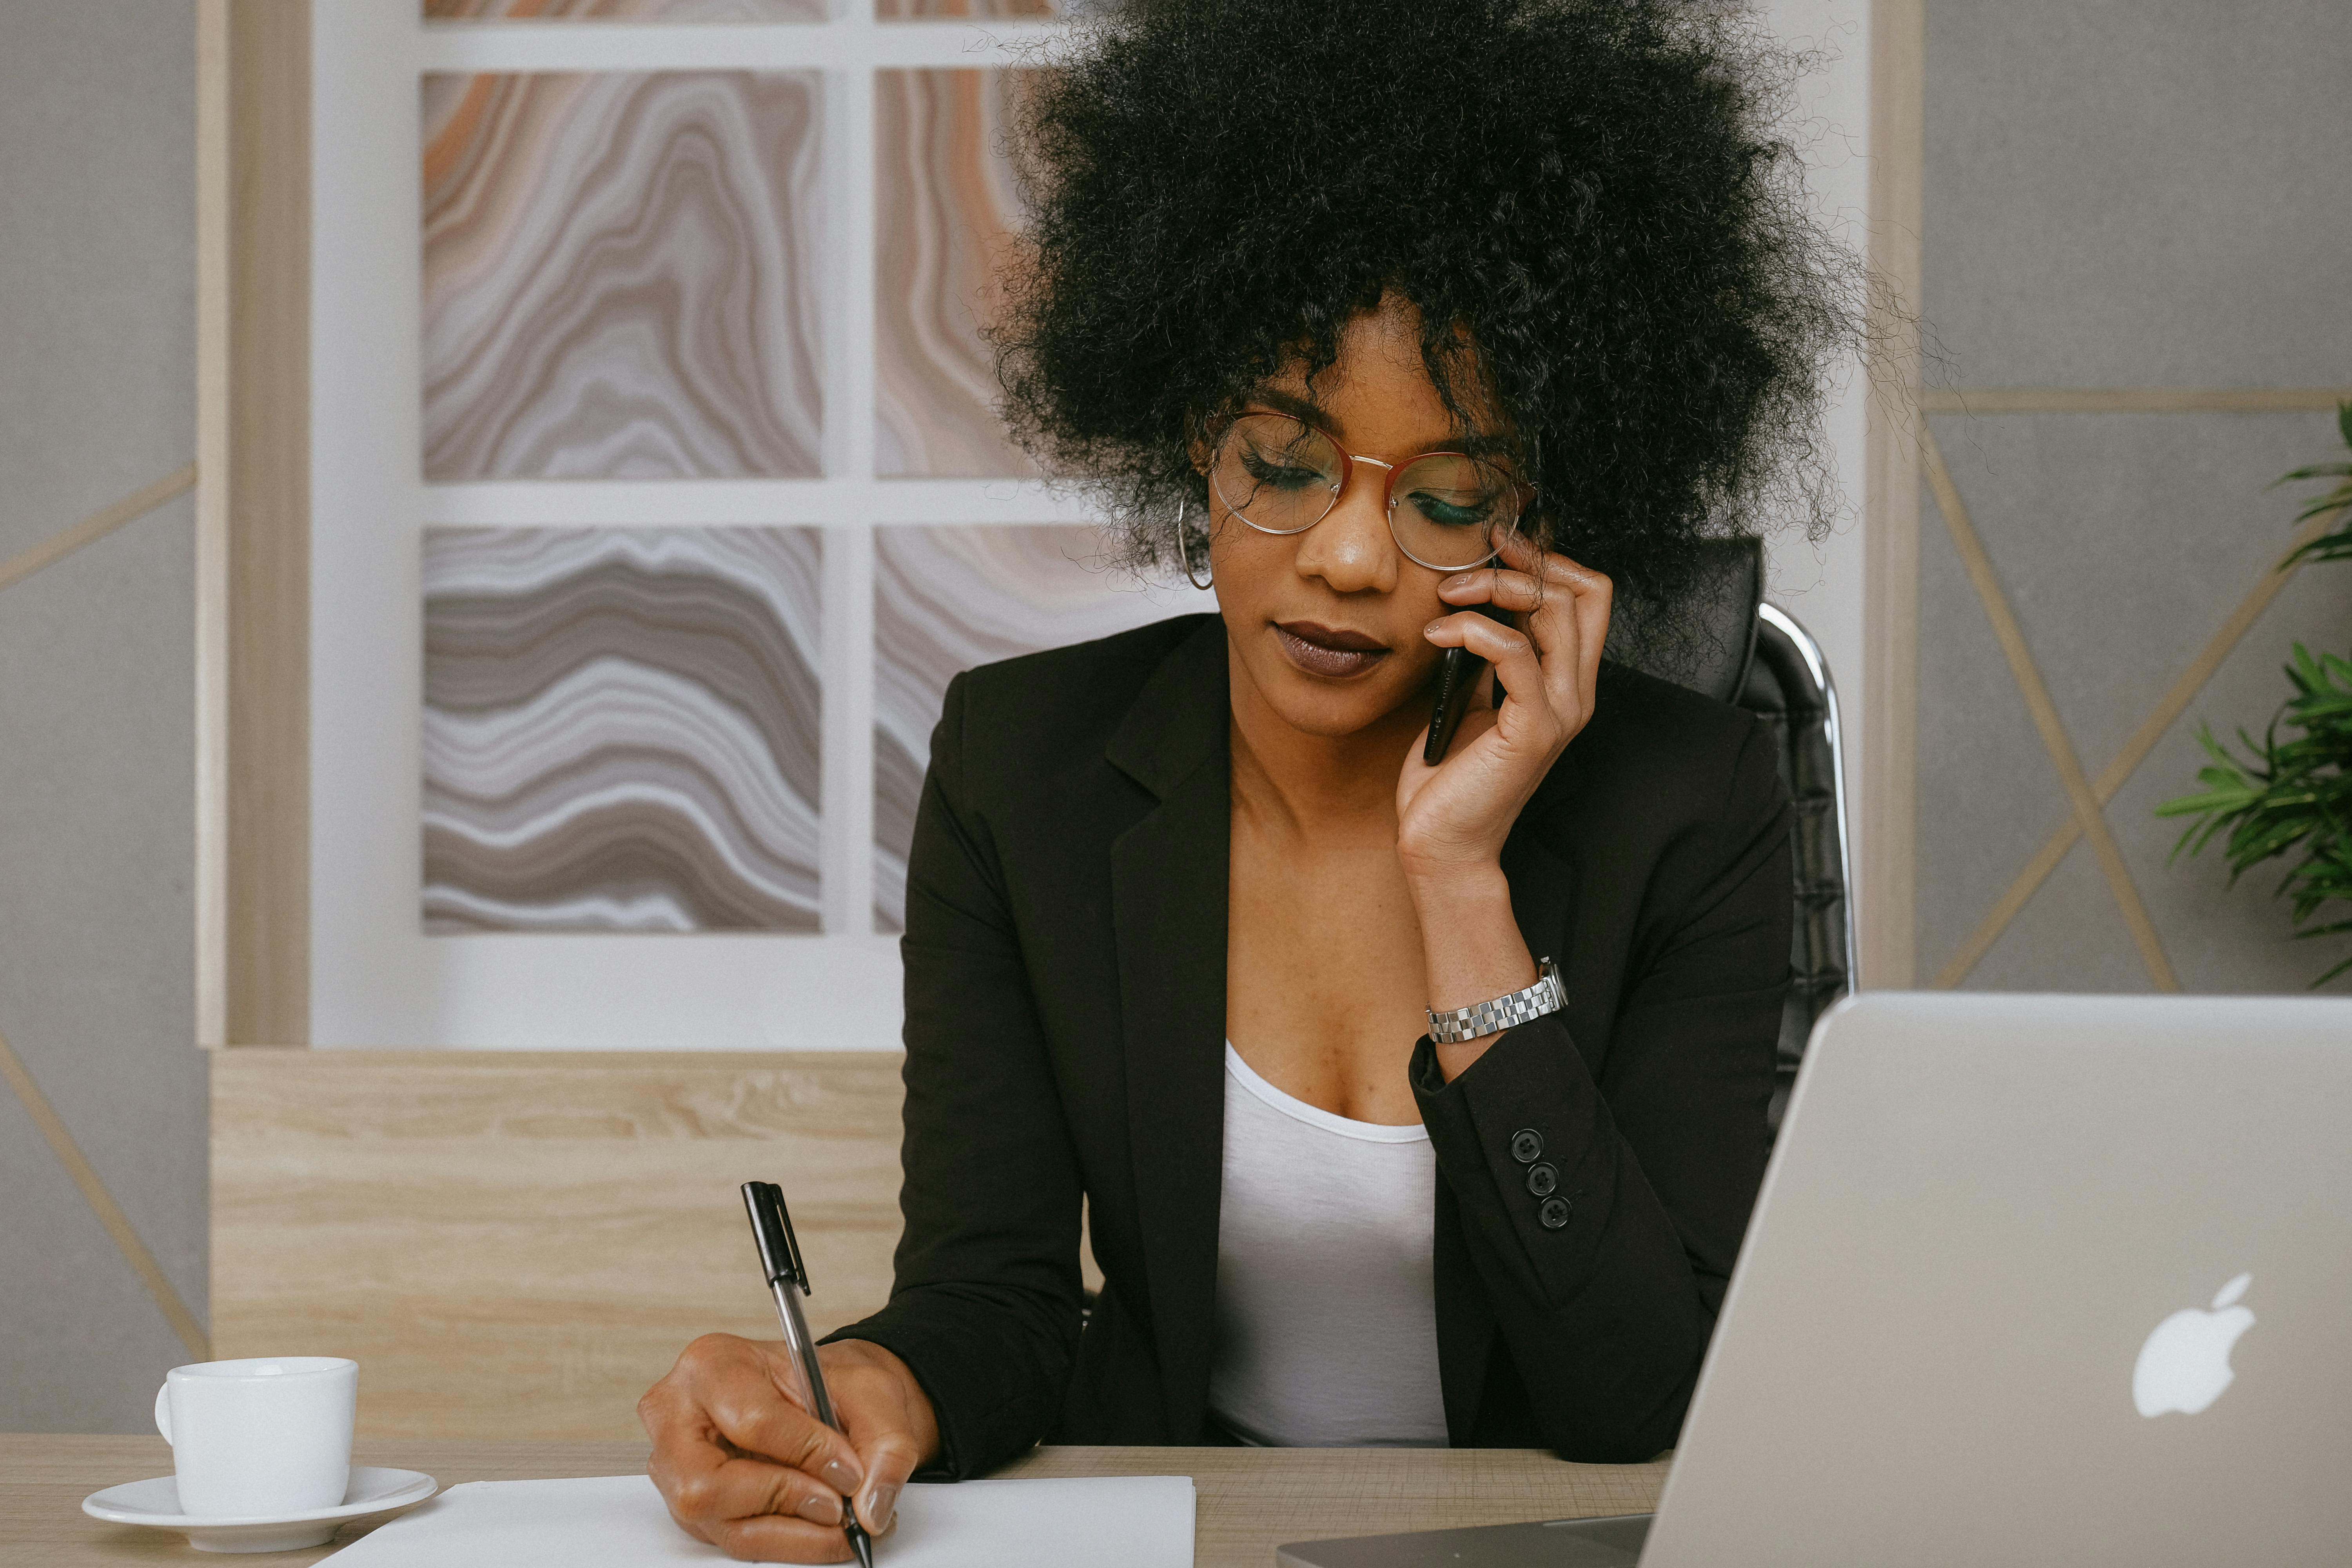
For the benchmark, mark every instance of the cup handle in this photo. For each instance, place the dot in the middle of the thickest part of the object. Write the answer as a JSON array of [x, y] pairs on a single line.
[[164, 1410]]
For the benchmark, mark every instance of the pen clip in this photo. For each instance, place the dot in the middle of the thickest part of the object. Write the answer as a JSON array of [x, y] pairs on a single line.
[[771, 1228]]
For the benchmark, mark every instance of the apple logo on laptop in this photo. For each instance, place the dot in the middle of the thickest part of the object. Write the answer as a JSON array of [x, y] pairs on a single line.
[[2185, 1364]]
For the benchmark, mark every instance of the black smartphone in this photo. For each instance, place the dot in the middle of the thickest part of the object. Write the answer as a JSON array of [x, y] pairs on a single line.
[[1458, 671]]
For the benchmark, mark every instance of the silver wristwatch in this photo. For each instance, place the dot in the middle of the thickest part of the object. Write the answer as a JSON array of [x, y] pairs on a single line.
[[1546, 995]]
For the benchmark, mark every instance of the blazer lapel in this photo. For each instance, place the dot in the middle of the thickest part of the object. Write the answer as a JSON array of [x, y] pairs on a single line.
[[1169, 883]]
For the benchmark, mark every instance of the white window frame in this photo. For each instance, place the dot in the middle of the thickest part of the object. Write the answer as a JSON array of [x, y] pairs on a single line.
[[376, 980]]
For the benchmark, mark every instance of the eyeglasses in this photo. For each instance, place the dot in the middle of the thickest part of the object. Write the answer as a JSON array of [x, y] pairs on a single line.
[[1447, 510]]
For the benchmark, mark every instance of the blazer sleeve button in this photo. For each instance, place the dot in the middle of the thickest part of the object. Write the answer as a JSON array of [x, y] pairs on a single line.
[[1542, 1178], [1527, 1146], [1554, 1214]]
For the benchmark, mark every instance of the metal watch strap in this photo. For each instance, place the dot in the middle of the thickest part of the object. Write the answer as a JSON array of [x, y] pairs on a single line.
[[1546, 995]]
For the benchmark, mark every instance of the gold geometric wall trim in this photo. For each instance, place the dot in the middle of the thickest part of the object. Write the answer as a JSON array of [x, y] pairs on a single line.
[[45, 1119], [2133, 399], [85, 1177], [2087, 800], [2160, 719], [2090, 818], [97, 525]]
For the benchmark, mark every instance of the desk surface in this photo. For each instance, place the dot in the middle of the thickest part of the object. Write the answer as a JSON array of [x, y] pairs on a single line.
[[1250, 1499]]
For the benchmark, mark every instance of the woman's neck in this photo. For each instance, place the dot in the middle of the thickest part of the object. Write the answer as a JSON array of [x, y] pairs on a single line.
[[1316, 784]]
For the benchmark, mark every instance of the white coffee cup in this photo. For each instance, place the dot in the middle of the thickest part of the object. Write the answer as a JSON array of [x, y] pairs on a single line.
[[260, 1437]]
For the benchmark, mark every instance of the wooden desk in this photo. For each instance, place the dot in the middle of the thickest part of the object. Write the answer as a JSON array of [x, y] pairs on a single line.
[[1250, 1499]]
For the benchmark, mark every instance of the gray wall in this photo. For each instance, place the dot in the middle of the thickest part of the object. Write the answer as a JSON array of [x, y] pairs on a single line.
[[96, 694], [2122, 193], [2117, 194]]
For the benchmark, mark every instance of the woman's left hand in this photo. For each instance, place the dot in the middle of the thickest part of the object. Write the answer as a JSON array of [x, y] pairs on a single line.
[[1452, 818]]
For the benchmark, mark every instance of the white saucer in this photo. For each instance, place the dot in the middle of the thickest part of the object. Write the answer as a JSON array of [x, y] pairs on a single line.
[[373, 1493]]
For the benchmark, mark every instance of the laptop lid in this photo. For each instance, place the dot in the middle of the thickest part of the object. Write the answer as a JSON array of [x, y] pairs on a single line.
[[2039, 1279]]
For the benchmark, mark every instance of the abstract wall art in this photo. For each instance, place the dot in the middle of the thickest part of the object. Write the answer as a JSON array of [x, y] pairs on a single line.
[[947, 598], [625, 10], [908, 10], [945, 209], [620, 276], [621, 728]]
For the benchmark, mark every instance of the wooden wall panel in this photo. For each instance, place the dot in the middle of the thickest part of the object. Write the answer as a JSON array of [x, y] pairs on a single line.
[[517, 1244], [253, 522], [1885, 868]]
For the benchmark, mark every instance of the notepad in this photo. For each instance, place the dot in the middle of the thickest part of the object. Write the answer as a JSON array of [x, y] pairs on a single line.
[[1136, 1522]]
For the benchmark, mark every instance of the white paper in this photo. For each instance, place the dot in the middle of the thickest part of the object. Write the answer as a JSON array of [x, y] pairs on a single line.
[[1135, 1521]]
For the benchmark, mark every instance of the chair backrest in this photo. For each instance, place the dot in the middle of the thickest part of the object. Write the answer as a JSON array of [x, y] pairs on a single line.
[[1787, 686], [1737, 649], [1713, 636]]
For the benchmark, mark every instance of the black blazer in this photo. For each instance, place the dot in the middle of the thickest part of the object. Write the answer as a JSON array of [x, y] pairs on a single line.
[[1066, 1009]]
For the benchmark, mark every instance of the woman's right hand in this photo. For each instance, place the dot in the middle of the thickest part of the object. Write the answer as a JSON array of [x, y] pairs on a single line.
[[743, 1466]]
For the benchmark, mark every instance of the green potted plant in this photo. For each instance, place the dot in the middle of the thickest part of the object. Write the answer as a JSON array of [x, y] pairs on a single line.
[[2291, 798]]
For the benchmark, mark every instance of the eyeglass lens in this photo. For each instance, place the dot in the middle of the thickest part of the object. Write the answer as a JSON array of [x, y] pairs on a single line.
[[1281, 475]]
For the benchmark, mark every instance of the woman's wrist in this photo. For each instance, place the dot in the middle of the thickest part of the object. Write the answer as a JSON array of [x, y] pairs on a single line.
[[913, 1407], [1471, 948]]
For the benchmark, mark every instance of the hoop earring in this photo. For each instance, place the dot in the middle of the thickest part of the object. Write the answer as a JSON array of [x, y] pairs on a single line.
[[1184, 552]]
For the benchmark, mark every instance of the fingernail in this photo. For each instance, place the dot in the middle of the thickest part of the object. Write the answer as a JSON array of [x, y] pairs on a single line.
[[822, 1508], [881, 1503], [840, 1477]]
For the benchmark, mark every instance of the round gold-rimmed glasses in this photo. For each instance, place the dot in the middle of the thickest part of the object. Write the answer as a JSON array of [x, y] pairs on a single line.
[[1447, 510]]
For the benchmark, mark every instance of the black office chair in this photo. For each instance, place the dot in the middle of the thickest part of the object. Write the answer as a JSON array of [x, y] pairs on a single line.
[[1741, 650]]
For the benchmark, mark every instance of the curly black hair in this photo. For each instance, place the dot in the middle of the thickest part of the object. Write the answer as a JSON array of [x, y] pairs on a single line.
[[1588, 201]]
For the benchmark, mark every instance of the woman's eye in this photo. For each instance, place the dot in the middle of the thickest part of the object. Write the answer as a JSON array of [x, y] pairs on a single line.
[[1268, 469], [1459, 511]]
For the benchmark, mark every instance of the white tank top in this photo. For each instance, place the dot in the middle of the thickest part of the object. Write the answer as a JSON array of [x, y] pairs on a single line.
[[1326, 1320]]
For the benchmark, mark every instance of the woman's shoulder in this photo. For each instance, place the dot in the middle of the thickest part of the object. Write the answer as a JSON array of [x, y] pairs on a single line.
[[1668, 755], [1067, 701], [1648, 716]]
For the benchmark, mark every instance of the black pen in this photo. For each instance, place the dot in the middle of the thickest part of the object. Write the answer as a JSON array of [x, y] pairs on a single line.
[[779, 1261]]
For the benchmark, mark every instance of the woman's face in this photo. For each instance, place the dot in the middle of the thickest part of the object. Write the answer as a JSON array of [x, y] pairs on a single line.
[[1326, 625]]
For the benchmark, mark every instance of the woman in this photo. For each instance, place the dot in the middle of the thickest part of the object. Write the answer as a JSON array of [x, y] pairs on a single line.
[[1378, 314]]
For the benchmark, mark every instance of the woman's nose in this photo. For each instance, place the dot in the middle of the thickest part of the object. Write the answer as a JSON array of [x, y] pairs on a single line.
[[1350, 549]]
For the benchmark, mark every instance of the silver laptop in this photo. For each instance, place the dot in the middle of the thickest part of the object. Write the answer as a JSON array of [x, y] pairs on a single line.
[[2033, 1279]]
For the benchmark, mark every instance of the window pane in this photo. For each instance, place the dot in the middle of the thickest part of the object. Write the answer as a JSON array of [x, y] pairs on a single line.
[[629, 10], [897, 10], [620, 276], [621, 728], [945, 205]]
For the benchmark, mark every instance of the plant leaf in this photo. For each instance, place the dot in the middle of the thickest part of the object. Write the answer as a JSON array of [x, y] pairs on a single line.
[[2290, 796]]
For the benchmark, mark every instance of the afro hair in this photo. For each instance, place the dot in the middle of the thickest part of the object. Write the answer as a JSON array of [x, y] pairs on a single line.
[[1588, 200]]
